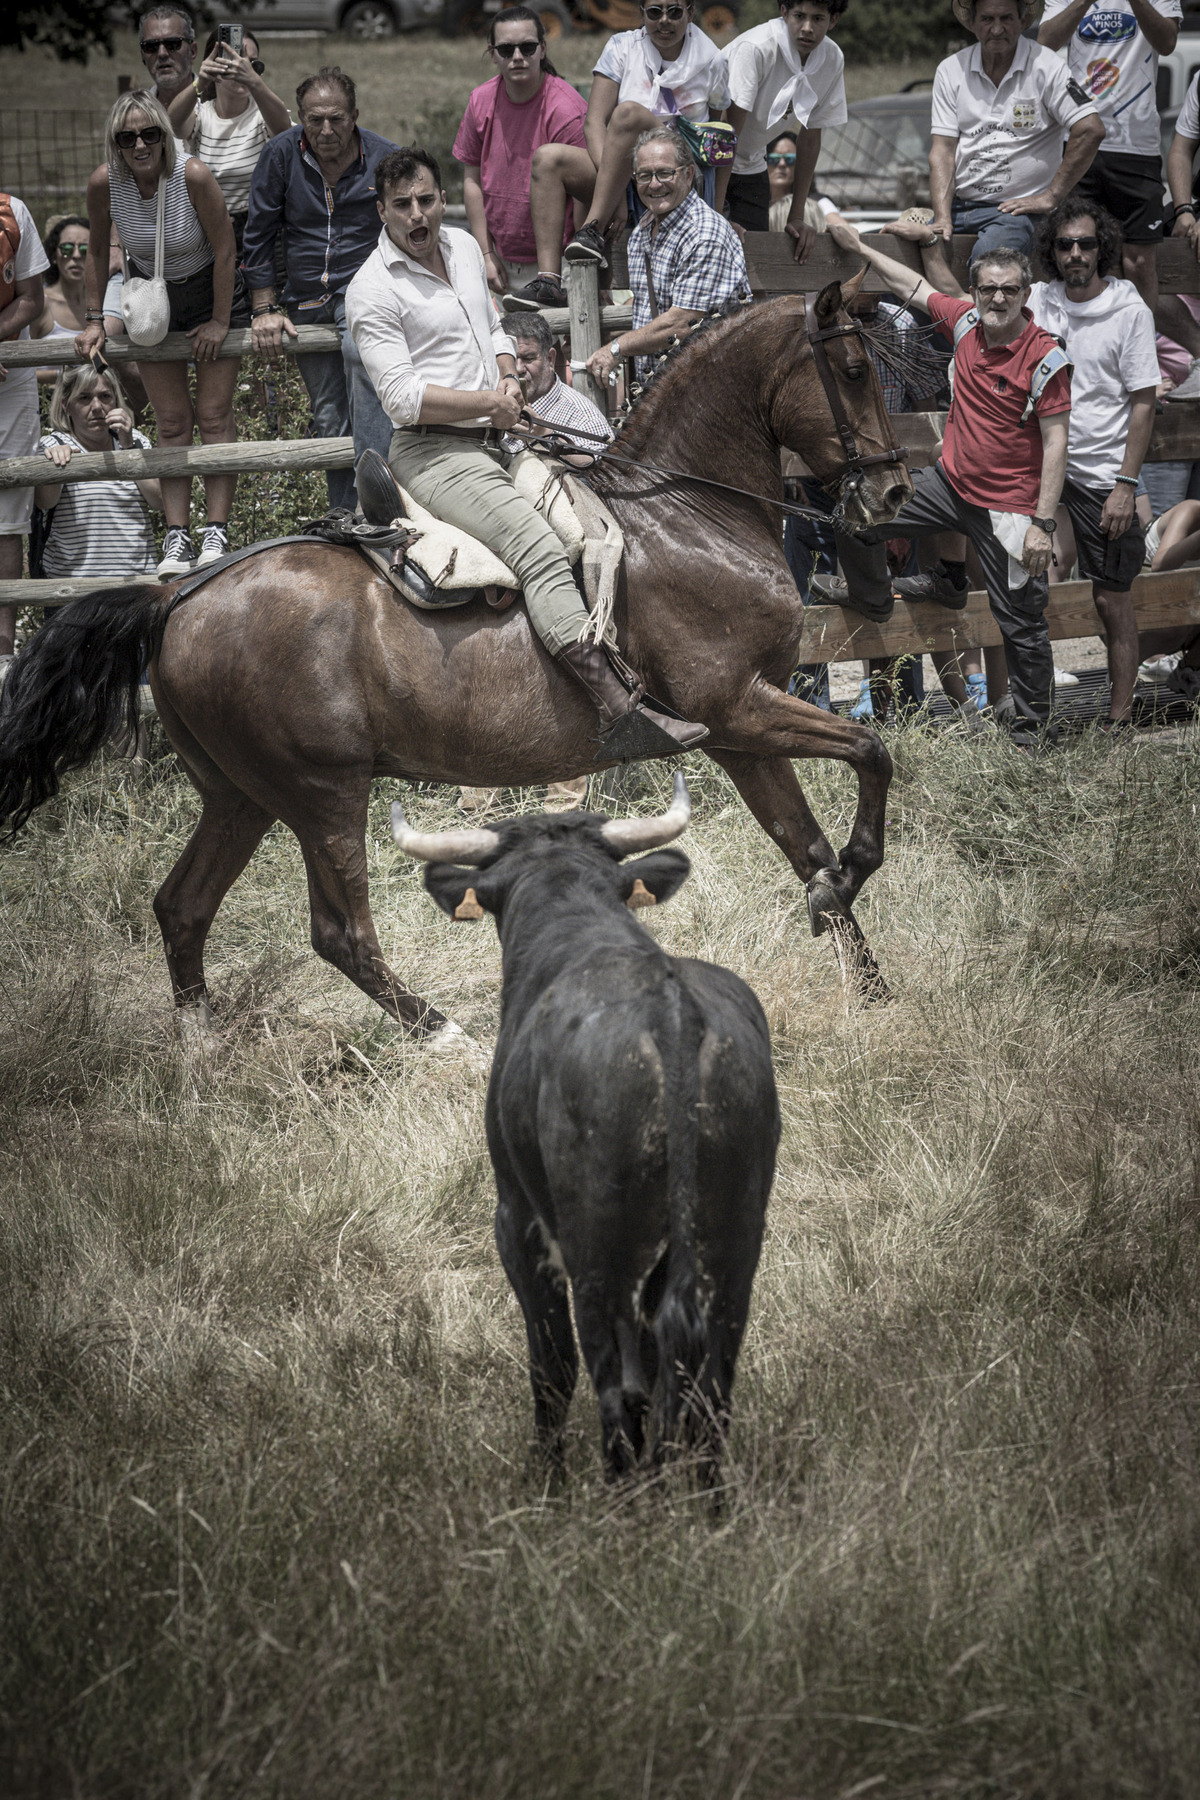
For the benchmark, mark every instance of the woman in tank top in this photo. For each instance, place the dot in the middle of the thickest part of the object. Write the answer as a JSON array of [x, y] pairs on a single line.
[[227, 116], [66, 244], [199, 269]]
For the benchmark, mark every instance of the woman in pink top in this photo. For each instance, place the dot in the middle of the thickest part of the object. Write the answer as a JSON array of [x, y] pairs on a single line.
[[524, 106]]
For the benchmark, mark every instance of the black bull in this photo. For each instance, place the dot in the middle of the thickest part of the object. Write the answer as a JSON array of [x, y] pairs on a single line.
[[632, 1121]]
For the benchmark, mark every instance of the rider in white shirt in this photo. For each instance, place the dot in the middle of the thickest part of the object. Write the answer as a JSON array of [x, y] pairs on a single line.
[[431, 340]]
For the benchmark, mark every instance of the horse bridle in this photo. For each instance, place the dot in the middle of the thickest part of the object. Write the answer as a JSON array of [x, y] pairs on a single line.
[[856, 462]]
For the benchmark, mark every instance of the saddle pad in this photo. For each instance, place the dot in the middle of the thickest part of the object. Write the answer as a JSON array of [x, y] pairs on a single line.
[[449, 557]]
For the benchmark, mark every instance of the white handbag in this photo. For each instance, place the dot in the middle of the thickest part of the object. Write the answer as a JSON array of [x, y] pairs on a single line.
[[145, 303]]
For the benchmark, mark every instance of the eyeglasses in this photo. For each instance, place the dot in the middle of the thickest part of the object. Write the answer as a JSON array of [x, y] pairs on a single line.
[[996, 287], [655, 13], [1075, 243], [507, 51], [149, 134], [151, 46], [781, 156], [648, 177], [66, 248]]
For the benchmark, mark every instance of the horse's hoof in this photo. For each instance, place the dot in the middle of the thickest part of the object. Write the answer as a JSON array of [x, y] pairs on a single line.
[[828, 912], [825, 904], [450, 1040]]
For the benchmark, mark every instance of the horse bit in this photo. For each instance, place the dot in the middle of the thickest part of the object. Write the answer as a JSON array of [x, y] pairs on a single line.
[[851, 478]]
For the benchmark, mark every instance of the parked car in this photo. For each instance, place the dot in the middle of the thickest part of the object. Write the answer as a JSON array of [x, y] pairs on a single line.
[[362, 19]]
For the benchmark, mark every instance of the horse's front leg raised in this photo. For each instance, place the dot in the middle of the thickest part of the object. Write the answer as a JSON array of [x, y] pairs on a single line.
[[756, 750]]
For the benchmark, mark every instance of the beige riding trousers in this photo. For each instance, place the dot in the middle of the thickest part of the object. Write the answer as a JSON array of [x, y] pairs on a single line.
[[466, 484]]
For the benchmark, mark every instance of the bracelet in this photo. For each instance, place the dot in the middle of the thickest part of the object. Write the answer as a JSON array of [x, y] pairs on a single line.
[[257, 312], [94, 318], [1127, 480], [1183, 209]]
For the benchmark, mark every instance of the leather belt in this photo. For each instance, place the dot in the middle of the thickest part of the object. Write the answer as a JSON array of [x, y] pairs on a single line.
[[480, 434]]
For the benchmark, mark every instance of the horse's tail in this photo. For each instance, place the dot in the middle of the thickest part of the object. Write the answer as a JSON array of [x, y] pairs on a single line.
[[683, 1411], [75, 682]]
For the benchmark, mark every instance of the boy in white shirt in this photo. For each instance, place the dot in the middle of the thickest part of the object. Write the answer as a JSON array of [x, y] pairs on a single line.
[[785, 70]]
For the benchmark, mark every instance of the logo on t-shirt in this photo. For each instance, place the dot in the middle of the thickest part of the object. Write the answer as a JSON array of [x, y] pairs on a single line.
[[1107, 27], [1077, 94], [1024, 115], [1100, 76]]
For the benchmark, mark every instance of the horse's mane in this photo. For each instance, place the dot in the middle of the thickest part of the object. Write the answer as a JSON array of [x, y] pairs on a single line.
[[684, 348]]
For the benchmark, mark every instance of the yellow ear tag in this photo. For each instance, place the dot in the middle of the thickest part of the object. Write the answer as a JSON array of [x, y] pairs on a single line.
[[640, 895], [468, 907]]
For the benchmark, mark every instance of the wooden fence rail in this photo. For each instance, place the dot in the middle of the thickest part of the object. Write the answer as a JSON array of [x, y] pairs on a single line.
[[287, 455]]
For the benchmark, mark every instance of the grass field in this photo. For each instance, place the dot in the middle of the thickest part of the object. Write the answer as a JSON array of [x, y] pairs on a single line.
[[266, 1522]]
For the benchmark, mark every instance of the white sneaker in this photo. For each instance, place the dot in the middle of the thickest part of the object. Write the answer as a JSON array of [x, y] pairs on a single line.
[[1064, 678], [179, 554], [213, 545], [1189, 387], [1159, 668]]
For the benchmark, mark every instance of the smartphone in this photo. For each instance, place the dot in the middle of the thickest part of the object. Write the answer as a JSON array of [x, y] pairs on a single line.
[[233, 35], [98, 363]]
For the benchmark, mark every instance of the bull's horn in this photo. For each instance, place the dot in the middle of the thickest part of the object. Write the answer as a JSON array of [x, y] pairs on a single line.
[[442, 846], [626, 836]]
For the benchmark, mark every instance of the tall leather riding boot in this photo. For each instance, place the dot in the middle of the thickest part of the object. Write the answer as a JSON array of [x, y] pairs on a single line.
[[633, 725]]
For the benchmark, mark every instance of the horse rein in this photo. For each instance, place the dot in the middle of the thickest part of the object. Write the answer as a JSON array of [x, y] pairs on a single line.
[[848, 478], [818, 337]]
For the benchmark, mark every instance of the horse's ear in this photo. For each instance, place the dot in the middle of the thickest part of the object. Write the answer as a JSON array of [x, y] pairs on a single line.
[[852, 288], [829, 303]]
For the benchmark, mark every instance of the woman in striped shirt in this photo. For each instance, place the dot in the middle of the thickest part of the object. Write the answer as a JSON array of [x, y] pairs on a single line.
[[227, 115], [94, 528], [142, 152]]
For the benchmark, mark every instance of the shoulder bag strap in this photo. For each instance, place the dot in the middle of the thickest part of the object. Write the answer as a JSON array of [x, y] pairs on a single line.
[[655, 308], [160, 230]]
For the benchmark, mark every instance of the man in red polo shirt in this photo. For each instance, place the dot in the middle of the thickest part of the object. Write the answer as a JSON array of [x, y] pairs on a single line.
[[1000, 474]]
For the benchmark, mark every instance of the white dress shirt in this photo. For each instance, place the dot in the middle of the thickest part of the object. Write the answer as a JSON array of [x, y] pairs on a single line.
[[413, 329], [1010, 137], [769, 82]]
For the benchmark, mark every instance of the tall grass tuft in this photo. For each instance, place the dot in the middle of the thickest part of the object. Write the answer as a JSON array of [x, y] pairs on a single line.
[[268, 1522]]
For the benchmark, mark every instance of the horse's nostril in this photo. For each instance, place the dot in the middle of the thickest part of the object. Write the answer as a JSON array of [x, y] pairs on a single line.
[[896, 495]]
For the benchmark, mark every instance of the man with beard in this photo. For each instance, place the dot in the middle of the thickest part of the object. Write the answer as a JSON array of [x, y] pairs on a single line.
[[999, 477], [1109, 333]]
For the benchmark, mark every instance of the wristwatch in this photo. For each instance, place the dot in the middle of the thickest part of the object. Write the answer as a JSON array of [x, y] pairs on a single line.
[[1049, 526], [614, 348]]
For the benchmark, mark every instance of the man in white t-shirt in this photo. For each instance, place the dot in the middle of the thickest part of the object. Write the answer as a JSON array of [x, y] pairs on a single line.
[[1173, 318], [1113, 47], [21, 301], [1000, 112], [782, 74], [1109, 333]]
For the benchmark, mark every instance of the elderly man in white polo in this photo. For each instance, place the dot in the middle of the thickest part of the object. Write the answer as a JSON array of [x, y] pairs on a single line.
[[1000, 112]]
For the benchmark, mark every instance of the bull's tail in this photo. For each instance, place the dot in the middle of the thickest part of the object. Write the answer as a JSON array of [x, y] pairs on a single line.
[[75, 682], [685, 1415]]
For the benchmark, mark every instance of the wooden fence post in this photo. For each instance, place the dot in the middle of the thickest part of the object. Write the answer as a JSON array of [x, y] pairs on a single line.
[[583, 310]]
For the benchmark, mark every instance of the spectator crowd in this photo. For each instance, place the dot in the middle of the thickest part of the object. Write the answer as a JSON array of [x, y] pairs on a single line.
[[215, 209]]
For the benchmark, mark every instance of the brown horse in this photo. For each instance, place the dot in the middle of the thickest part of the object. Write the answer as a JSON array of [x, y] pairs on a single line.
[[287, 684]]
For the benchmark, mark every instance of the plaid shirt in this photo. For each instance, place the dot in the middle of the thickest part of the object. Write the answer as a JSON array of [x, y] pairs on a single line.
[[696, 261]]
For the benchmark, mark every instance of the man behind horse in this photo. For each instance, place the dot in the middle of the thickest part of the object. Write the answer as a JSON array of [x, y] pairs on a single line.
[[421, 314]]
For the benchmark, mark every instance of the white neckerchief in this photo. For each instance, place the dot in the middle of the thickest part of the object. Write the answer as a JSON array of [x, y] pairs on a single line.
[[801, 96], [693, 61]]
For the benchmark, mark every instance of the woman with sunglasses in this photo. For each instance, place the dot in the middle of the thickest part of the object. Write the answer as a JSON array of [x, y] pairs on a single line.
[[143, 153], [781, 168], [94, 528], [226, 117], [66, 244], [666, 69], [508, 119]]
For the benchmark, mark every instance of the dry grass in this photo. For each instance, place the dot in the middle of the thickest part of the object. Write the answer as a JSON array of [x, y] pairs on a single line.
[[266, 1522]]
